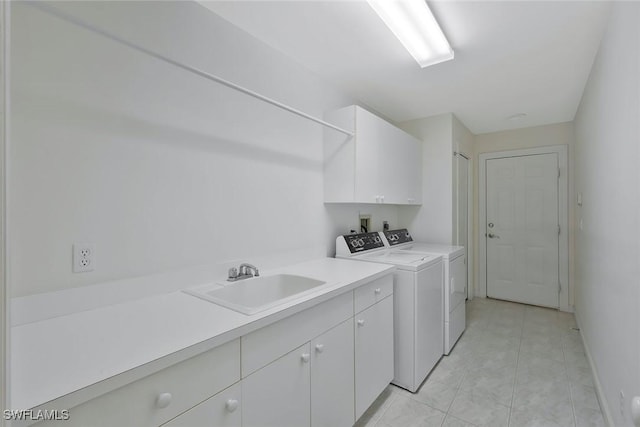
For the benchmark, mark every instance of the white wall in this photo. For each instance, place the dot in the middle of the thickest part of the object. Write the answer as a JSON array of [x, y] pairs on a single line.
[[607, 247], [432, 221], [536, 136], [159, 169]]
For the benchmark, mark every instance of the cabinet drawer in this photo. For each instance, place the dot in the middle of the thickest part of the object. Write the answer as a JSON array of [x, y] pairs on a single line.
[[221, 410], [181, 386], [369, 294], [265, 345]]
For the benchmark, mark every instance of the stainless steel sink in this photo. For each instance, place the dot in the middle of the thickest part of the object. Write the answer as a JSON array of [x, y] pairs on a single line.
[[257, 294]]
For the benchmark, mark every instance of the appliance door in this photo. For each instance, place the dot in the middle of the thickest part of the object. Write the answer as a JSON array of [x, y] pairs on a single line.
[[429, 321], [457, 282]]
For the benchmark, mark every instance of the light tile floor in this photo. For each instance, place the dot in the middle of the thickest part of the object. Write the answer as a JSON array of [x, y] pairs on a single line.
[[515, 365]]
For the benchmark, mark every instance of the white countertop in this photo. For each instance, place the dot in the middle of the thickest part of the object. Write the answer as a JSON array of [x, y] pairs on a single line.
[[79, 356]]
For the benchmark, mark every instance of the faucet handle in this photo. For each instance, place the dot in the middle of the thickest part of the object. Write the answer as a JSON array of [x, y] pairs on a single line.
[[233, 273]]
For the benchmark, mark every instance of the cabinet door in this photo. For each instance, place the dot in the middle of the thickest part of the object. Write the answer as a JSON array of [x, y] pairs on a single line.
[[414, 171], [278, 395], [332, 388], [221, 410], [371, 133], [373, 352]]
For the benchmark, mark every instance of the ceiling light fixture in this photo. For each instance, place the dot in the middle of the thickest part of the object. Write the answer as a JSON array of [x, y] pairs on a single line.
[[417, 29]]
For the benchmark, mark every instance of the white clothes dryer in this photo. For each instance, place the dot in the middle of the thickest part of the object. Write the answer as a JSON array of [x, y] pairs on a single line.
[[454, 280]]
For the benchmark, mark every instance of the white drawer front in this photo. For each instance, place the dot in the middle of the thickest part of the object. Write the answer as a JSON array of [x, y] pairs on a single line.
[[222, 410], [156, 399], [367, 295], [265, 345]]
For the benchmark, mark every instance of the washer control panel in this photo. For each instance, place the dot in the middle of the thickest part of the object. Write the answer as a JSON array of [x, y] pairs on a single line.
[[363, 242], [395, 237]]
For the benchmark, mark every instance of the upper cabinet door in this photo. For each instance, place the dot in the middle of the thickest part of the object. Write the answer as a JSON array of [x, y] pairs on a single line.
[[379, 164], [372, 134]]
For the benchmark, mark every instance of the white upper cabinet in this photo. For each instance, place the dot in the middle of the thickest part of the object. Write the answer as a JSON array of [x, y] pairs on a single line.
[[379, 164]]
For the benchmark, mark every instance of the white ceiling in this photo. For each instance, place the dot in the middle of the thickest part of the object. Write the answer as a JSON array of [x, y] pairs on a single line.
[[511, 57]]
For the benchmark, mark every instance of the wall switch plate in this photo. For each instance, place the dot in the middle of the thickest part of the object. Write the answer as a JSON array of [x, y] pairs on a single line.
[[83, 257]]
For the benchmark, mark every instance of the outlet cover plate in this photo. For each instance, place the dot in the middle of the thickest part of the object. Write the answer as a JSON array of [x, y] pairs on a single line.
[[83, 257]]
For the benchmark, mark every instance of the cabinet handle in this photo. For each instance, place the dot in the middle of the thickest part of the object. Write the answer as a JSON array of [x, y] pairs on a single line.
[[163, 400], [305, 357], [360, 322], [231, 405], [377, 290], [319, 348]]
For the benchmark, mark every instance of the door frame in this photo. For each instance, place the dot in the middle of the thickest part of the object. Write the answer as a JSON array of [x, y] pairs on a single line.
[[563, 217], [469, 249], [5, 319]]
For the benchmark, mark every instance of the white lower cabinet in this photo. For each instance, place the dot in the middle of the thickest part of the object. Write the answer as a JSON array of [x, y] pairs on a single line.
[[373, 353], [332, 370], [278, 394], [221, 410], [320, 367]]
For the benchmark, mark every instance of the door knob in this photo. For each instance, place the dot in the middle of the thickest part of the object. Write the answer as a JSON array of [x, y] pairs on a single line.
[[493, 236], [231, 405]]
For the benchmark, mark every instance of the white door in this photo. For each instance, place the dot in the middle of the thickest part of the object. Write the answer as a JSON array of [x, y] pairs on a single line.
[[462, 209], [522, 229], [332, 373], [279, 395], [373, 353]]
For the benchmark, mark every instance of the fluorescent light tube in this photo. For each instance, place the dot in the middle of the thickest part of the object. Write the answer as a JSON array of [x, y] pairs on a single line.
[[417, 29]]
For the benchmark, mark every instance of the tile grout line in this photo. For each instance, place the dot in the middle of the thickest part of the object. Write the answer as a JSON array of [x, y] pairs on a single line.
[[515, 377]]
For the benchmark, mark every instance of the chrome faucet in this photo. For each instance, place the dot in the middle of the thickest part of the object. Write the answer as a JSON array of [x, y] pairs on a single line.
[[243, 272]]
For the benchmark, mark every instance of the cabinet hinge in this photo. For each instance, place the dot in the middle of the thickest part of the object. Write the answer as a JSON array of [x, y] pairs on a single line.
[[558, 173], [558, 229], [559, 287]]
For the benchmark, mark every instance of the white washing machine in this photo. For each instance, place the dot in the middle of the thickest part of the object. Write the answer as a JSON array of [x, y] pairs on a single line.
[[454, 284], [417, 304]]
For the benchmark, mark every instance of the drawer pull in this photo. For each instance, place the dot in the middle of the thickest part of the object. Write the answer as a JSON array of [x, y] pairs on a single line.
[[361, 322], [377, 290], [231, 405], [305, 357], [319, 348], [164, 399]]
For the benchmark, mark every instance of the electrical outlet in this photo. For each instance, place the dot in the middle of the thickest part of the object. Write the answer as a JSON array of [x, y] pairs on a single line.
[[622, 403], [83, 257]]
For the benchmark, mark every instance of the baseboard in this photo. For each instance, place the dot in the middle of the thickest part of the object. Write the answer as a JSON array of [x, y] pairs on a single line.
[[567, 309], [602, 400]]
